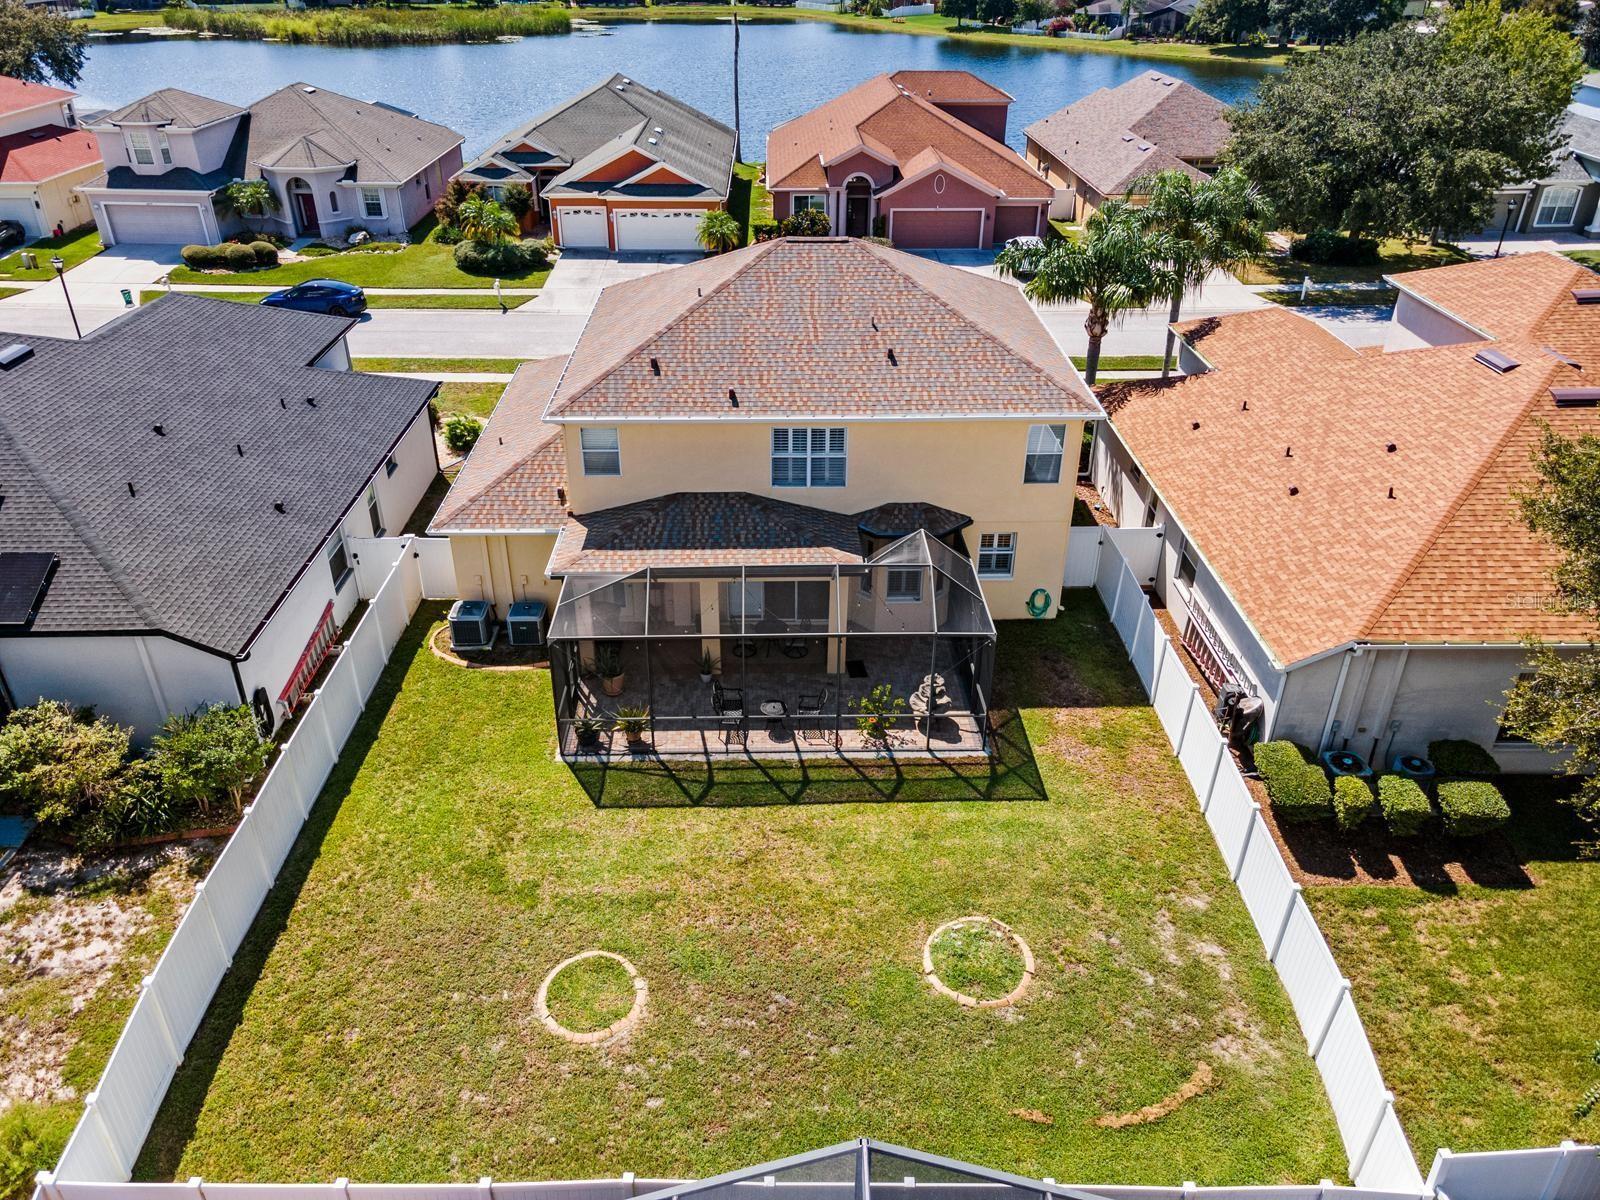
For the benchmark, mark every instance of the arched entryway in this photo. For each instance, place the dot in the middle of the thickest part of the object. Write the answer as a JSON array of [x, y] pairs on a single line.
[[303, 208], [858, 207]]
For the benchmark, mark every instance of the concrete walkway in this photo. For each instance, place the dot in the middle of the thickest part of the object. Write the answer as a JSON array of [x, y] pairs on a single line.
[[95, 286]]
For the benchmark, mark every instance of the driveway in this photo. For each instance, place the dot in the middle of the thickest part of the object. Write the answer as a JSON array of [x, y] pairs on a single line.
[[578, 276], [96, 288], [1556, 241]]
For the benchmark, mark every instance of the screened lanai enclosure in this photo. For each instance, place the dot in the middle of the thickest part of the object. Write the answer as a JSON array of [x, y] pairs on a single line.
[[777, 659]]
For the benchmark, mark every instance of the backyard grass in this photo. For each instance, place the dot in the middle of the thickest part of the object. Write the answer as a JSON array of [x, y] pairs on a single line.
[[1382, 297], [377, 1024], [474, 399], [976, 959], [590, 994], [426, 300], [420, 265], [1481, 1002], [442, 365], [1394, 256], [1122, 362], [73, 248], [748, 200]]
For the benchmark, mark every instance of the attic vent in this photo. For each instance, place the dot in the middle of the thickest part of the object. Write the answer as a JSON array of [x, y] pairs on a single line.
[[1588, 295], [657, 129], [893, 362], [655, 366], [312, 401], [16, 352], [1293, 491], [1497, 361], [1127, 137], [159, 429], [1576, 397], [652, 141], [733, 398], [308, 90], [278, 507], [1391, 447]]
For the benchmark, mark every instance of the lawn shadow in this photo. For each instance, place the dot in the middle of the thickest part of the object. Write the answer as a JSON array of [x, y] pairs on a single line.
[[717, 780], [178, 1117]]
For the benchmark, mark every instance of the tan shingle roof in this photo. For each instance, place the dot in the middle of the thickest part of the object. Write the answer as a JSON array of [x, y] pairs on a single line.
[[1444, 556], [898, 124], [804, 328], [950, 87], [1114, 135]]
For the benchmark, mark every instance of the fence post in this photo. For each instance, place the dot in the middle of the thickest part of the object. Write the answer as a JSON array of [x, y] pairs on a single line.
[[154, 1001], [1339, 996], [211, 921], [45, 1182], [1558, 1172], [1244, 846], [1385, 1107], [485, 1188], [327, 730], [92, 1114], [1183, 730], [1116, 597], [261, 855], [1158, 639], [1283, 925], [199, 1187], [1211, 785], [628, 1183]]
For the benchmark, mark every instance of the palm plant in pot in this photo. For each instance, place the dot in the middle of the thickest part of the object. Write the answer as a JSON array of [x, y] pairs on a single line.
[[633, 722], [708, 666], [608, 665], [588, 730]]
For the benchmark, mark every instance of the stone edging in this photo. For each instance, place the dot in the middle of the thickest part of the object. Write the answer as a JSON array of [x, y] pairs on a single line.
[[623, 1024], [961, 998], [445, 654]]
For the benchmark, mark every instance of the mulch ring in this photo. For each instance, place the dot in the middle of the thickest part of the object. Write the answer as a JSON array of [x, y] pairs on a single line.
[[502, 656], [1319, 855]]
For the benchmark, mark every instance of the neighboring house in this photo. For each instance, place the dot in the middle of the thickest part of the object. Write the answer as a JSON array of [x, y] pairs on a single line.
[[179, 488], [1157, 18], [788, 441], [1094, 148], [1569, 197], [332, 162], [918, 157], [43, 156], [619, 167], [1342, 532]]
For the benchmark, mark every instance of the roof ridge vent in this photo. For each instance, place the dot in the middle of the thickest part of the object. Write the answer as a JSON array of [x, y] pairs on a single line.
[[1497, 361]]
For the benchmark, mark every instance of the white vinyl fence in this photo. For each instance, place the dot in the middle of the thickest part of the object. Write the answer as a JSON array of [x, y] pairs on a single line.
[[174, 997], [1564, 1172], [1380, 1156], [1139, 548]]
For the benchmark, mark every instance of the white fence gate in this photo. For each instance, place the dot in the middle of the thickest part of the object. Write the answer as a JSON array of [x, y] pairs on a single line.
[[1140, 548]]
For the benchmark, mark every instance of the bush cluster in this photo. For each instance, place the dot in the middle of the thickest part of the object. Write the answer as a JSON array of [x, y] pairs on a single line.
[[501, 258], [1298, 788], [1454, 756], [461, 432], [231, 256], [1471, 807], [1353, 801], [807, 222], [76, 774], [1328, 247], [764, 231], [1405, 805]]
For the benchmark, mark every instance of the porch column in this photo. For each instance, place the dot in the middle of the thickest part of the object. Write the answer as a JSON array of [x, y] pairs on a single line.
[[835, 620], [710, 621]]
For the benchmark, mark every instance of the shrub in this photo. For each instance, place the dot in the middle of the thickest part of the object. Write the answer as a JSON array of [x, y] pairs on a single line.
[[236, 257], [1471, 807], [208, 754], [763, 231], [718, 231], [501, 258], [446, 235], [1298, 788], [1331, 248], [59, 762], [461, 432], [266, 254], [807, 223], [1405, 805], [32, 1137], [1353, 801], [201, 258], [1456, 756]]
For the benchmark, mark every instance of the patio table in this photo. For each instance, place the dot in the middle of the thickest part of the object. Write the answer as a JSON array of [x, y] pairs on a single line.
[[774, 711]]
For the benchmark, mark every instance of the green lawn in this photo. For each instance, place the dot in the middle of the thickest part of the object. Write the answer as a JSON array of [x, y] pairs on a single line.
[[1122, 362], [429, 300], [73, 248], [1589, 258], [377, 1020], [1481, 1002], [7, 292], [748, 199], [474, 399], [1332, 294], [1394, 256], [445, 365], [422, 265]]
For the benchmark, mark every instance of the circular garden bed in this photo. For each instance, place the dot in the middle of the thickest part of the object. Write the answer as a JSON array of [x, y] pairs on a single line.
[[591, 998], [978, 962]]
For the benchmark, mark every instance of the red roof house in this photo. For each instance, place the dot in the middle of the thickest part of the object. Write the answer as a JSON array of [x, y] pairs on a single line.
[[43, 157]]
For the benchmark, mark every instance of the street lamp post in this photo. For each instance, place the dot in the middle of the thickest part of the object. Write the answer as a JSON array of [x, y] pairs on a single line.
[[1512, 204], [60, 265]]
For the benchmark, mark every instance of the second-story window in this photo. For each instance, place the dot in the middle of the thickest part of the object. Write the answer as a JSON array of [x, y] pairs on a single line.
[[139, 145], [165, 147], [808, 457], [1043, 463], [602, 454]]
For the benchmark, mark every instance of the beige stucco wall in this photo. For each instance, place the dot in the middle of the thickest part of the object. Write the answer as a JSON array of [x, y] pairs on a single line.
[[504, 568], [974, 467]]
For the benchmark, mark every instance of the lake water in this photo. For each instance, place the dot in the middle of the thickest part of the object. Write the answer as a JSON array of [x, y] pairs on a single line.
[[786, 68]]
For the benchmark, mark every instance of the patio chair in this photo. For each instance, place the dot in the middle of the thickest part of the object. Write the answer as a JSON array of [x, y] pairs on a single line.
[[810, 716], [728, 706]]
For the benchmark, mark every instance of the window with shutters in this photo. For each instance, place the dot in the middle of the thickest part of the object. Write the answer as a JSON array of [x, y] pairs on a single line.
[[602, 454], [997, 555], [1043, 464], [807, 457]]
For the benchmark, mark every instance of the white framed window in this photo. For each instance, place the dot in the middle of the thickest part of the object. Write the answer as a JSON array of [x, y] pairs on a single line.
[[1043, 462], [372, 202], [1557, 206], [1150, 511], [373, 514], [903, 585], [811, 202], [1187, 565], [338, 562], [139, 147], [390, 466], [602, 452], [164, 147], [807, 457], [997, 555]]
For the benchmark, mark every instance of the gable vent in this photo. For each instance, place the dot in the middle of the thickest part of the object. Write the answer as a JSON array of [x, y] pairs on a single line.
[[1588, 295], [1576, 397], [1497, 361]]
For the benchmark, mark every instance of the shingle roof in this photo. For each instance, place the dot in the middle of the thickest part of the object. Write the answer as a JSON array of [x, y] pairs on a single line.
[[308, 126], [171, 106], [511, 478], [811, 328], [899, 124], [950, 87], [1152, 123], [17, 94], [44, 153], [1444, 556], [195, 549], [182, 179], [614, 115]]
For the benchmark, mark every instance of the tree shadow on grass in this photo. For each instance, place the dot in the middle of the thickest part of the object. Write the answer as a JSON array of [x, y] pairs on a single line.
[[178, 1117]]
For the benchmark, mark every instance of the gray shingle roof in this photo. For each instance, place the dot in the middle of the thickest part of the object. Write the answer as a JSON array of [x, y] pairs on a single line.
[[196, 549], [387, 146], [611, 116], [171, 106], [181, 179]]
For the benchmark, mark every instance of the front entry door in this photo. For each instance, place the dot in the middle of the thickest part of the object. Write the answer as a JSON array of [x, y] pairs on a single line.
[[855, 215], [305, 207]]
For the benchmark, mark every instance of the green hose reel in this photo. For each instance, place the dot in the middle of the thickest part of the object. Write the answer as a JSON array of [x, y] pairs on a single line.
[[1038, 603]]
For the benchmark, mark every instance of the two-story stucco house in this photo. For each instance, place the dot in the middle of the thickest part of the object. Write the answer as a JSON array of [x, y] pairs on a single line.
[[821, 464], [918, 157], [44, 155], [333, 163], [1342, 533]]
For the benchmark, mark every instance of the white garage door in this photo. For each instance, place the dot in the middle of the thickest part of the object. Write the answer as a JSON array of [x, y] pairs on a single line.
[[21, 210], [164, 224], [584, 227], [657, 229]]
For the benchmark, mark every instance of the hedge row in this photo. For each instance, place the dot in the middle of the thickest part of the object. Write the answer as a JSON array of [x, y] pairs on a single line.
[[1298, 788], [501, 258], [231, 256]]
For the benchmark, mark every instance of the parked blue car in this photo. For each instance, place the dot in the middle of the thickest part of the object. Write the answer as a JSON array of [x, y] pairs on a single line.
[[321, 295]]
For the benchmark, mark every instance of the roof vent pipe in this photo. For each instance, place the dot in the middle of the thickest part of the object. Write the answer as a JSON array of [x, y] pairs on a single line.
[[160, 429], [733, 398], [278, 506], [655, 367]]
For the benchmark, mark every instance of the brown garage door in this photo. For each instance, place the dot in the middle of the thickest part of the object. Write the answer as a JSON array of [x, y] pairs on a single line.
[[935, 229], [1016, 220]]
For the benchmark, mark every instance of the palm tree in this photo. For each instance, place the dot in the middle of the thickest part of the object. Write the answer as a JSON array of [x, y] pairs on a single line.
[[484, 221], [1120, 264], [249, 198], [1214, 224], [719, 230]]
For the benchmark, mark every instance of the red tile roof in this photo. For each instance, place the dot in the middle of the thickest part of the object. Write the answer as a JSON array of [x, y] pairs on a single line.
[[896, 123], [1404, 525], [813, 328], [16, 95], [44, 153]]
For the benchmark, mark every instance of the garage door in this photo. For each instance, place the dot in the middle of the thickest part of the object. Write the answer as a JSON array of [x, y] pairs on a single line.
[[1016, 220], [650, 229], [935, 229], [22, 211], [583, 227], [162, 224]]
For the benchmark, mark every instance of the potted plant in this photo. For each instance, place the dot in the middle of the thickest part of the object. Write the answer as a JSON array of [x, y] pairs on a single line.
[[588, 729], [608, 665], [876, 713], [708, 666], [633, 722]]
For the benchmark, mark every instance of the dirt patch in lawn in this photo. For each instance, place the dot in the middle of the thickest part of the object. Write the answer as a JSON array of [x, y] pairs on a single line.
[[1200, 1081]]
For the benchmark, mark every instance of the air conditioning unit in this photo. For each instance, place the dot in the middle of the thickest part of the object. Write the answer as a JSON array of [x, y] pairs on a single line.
[[525, 623], [471, 625], [1346, 762]]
